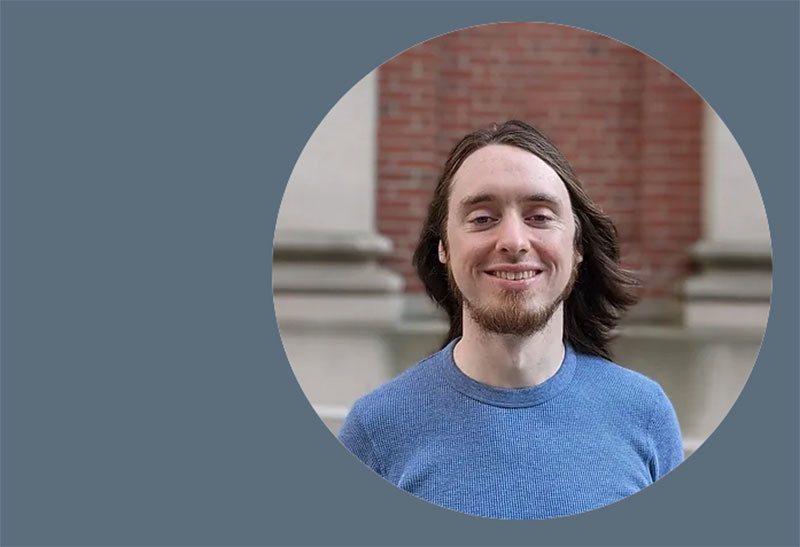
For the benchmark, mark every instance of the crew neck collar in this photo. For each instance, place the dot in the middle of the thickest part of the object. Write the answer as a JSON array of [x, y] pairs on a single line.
[[507, 397]]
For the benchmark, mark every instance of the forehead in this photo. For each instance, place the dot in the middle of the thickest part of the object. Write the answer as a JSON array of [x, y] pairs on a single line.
[[507, 172]]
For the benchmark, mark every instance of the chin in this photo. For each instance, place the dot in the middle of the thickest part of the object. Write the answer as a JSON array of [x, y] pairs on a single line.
[[512, 318]]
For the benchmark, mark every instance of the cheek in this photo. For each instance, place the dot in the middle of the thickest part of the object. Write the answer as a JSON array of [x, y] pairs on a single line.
[[560, 252], [468, 254], [465, 267]]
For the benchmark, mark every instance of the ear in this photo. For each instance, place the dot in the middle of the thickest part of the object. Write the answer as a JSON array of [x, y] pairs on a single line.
[[442, 253]]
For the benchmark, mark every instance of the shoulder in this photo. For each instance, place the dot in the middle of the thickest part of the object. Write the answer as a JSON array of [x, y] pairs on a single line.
[[395, 398], [640, 405], [385, 417], [608, 378], [631, 396]]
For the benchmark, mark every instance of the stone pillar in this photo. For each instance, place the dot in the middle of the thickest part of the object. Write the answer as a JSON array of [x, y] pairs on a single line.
[[733, 283], [333, 301], [704, 364]]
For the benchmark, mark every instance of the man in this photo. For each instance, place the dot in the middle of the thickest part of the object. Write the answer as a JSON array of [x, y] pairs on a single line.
[[521, 415]]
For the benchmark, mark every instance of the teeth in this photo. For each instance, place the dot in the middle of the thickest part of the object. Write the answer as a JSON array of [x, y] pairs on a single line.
[[516, 276]]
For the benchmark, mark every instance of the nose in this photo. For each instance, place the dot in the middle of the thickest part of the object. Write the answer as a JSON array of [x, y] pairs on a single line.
[[512, 236]]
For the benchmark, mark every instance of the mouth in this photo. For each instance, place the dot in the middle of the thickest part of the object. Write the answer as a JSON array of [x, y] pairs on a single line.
[[515, 276]]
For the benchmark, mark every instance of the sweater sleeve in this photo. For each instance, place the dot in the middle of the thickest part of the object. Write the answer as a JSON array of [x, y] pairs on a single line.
[[355, 438], [665, 437]]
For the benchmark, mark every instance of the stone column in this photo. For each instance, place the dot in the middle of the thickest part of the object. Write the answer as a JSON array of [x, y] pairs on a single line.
[[333, 301], [733, 283], [705, 364]]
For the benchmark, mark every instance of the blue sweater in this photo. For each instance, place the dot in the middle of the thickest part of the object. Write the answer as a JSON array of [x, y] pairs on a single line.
[[591, 435]]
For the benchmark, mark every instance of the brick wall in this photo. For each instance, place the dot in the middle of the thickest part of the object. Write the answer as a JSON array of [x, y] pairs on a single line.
[[630, 128]]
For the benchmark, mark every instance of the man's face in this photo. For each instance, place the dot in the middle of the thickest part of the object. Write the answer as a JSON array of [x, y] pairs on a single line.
[[510, 239]]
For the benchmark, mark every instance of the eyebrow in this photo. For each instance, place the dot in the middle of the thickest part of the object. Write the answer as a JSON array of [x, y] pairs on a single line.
[[477, 199]]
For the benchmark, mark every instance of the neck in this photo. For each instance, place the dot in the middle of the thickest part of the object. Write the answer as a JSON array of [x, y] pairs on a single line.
[[511, 361]]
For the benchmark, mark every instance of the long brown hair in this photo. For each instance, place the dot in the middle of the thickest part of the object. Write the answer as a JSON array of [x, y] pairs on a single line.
[[602, 291]]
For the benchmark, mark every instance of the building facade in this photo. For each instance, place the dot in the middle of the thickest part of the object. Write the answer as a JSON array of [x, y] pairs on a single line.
[[648, 149]]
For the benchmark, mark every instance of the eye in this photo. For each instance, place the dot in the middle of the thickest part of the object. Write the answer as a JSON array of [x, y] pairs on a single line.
[[481, 220], [540, 218]]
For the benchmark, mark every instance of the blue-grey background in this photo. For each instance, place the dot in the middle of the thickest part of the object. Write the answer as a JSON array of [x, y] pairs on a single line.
[[145, 396]]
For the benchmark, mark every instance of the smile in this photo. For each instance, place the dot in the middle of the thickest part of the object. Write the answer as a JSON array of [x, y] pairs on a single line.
[[515, 276]]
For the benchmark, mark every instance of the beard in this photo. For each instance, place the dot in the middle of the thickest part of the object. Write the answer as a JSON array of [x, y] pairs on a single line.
[[511, 314]]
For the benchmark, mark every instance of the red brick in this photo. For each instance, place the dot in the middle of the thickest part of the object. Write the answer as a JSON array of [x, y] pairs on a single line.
[[630, 128]]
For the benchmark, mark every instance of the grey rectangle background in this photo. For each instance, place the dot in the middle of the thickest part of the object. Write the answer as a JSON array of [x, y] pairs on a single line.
[[146, 398]]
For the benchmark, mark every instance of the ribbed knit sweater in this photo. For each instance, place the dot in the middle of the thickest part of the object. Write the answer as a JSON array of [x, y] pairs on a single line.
[[590, 435]]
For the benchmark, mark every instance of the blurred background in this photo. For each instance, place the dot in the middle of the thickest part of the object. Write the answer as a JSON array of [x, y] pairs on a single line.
[[658, 160]]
